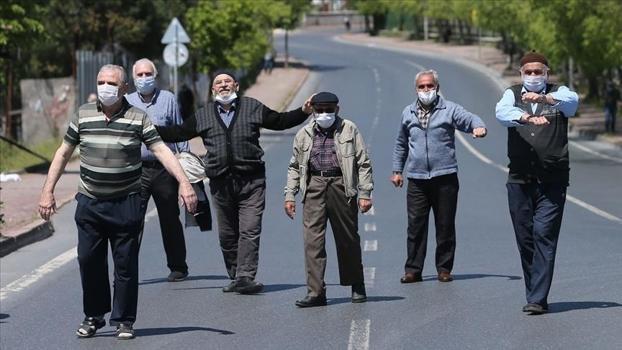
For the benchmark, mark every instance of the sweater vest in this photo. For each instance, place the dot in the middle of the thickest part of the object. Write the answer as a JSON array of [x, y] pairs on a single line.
[[538, 152], [232, 150]]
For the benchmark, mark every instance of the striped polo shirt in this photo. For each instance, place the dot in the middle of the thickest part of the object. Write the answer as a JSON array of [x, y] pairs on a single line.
[[110, 164]]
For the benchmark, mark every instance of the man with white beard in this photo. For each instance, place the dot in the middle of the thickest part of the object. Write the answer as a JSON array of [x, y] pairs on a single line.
[[230, 128]]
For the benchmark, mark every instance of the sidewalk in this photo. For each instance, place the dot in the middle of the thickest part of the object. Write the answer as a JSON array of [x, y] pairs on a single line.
[[21, 199], [589, 124]]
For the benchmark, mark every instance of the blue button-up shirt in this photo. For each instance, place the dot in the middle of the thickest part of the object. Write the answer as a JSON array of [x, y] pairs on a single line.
[[508, 114], [162, 110], [226, 116]]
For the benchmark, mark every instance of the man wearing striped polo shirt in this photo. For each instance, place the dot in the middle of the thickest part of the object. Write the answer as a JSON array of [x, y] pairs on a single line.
[[109, 134]]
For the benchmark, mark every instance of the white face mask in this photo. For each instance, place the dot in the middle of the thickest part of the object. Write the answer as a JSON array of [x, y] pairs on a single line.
[[226, 99], [107, 94], [426, 97], [325, 120], [145, 85], [534, 83]]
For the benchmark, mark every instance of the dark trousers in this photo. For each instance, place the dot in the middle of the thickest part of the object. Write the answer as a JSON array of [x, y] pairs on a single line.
[[325, 200], [441, 195], [536, 211], [239, 203], [157, 182], [119, 222], [610, 118]]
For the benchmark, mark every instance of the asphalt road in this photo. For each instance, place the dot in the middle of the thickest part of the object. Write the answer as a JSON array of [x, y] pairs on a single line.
[[481, 309]]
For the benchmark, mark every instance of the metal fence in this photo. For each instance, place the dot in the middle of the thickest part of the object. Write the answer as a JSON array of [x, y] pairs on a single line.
[[89, 63]]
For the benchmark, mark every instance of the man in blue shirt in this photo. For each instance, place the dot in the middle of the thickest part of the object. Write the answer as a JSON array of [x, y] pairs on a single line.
[[162, 108], [536, 114]]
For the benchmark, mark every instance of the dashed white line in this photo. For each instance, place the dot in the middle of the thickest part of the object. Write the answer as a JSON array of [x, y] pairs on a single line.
[[598, 154], [370, 246], [359, 335], [27, 280], [370, 227], [369, 274]]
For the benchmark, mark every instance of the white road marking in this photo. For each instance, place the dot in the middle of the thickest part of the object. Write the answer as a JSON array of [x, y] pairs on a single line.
[[598, 154], [54, 264], [370, 246], [418, 66], [27, 280], [369, 274], [370, 227], [359, 335], [570, 198]]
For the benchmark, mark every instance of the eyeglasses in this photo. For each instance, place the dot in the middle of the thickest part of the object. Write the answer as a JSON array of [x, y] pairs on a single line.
[[423, 86], [533, 72], [324, 110]]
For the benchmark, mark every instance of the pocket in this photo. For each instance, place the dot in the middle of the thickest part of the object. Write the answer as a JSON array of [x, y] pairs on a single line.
[[346, 146]]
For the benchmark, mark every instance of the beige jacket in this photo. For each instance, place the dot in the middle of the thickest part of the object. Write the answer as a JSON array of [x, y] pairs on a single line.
[[351, 155]]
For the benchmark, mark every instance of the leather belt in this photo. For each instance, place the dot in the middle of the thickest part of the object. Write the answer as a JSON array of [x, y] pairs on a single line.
[[326, 173]]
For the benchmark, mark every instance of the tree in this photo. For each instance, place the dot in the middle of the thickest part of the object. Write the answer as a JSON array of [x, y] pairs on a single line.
[[288, 14]]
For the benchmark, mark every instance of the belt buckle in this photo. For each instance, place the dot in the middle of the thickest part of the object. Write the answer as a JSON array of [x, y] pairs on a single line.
[[322, 172]]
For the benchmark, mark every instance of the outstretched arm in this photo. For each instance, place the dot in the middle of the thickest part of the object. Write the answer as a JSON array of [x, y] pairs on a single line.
[[47, 202]]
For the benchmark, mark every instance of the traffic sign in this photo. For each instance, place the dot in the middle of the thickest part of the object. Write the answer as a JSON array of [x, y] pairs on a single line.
[[175, 33], [175, 55]]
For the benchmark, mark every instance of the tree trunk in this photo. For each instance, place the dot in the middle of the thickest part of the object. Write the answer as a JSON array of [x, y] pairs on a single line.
[[8, 100], [286, 48], [592, 85]]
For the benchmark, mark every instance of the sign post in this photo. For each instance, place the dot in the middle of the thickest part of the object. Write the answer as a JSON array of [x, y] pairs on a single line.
[[175, 53]]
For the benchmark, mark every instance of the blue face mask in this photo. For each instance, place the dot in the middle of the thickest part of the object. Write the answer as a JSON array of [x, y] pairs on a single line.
[[145, 85]]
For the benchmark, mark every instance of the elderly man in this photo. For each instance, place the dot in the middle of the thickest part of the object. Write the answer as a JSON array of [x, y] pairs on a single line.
[[536, 114], [426, 138], [162, 109], [230, 128], [330, 167], [109, 134]]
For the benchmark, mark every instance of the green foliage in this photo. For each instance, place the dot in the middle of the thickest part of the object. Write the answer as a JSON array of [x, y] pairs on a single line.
[[13, 158]]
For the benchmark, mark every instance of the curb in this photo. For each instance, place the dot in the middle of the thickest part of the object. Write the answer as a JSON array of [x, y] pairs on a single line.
[[34, 232]]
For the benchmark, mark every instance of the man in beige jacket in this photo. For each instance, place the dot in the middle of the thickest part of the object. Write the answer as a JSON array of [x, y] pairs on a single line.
[[330, 168]]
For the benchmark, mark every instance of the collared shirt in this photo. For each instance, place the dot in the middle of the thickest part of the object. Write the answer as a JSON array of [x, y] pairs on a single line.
[[110, 164], [508, 114], [163, 111], [226, 115], [323, 155], [424, 114]]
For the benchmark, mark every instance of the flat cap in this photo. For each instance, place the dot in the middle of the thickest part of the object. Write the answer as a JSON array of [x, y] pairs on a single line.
[[324, 97], [533, 56]]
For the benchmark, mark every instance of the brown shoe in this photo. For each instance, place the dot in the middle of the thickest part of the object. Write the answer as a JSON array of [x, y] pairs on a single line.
[[411, 278], [444, 276]]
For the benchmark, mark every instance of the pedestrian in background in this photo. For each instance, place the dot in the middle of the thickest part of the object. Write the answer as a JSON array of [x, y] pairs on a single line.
[[426, 138], [332, 171], [536, 114], [162, 109], [108, 134], [612, 96], [230, 128], [268, 62]]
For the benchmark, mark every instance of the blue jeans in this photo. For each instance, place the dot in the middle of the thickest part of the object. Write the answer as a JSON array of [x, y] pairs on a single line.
[[536, 210]]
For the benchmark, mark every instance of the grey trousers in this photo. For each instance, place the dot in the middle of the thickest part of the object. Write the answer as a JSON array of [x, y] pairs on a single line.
[[325, 200], [239, 204]]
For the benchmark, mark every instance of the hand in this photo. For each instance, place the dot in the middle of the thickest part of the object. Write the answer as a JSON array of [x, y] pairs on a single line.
[[188, 196], [533, 97], [397, 180], [290, 209], [47, 205], [534, 120], [364, 205], [306, 107], [479, 132]]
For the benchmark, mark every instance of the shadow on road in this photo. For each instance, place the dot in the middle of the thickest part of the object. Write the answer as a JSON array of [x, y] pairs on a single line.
[[370, 299], [3, 316], [325, 68], [278, 287], [474, 276], [580, 305], [173, 330], [191, 278]]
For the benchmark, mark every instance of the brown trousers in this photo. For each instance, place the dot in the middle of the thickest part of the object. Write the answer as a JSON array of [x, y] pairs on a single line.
[[325, 200]]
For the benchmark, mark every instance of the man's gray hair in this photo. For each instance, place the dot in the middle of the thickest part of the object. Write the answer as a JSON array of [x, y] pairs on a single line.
[[142, 61], [119, 69], [431, 72]]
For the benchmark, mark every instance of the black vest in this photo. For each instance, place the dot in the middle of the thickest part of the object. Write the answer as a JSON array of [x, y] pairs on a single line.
[[232, 150], [538, 152]]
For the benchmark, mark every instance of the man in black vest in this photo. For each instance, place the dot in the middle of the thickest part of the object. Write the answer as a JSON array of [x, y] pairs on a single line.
[[536, 114], [230, 127]]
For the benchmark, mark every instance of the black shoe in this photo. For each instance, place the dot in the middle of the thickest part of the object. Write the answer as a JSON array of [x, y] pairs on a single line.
[[176, 276], [358, 293], [125, 331], [89, 326], [245, 285], [310, 301], [535, 309], [229, 288]]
